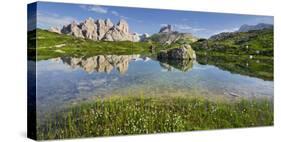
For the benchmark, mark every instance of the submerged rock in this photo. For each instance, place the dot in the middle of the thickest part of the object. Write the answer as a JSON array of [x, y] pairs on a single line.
[[180, 53]]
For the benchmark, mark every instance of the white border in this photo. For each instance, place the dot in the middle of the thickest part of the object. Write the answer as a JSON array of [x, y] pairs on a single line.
[[13, 68]]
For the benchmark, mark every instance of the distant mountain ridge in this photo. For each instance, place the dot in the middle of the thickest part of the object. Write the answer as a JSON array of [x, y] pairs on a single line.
[[243, 28], [99, 30], [253, 42], [260, 26]]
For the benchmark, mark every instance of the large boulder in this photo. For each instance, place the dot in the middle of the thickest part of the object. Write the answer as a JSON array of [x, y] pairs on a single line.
[[180, 53], [162, 54]]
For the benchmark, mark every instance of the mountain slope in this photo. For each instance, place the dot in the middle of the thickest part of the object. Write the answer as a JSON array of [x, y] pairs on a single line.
[[260, 26], [254, 42], [51, 45]]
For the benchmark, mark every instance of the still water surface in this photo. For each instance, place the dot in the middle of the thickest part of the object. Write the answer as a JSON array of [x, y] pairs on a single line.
[[67, 80]]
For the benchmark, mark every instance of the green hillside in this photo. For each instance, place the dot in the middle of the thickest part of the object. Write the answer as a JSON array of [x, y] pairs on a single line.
[[50, 45], [259, 42]]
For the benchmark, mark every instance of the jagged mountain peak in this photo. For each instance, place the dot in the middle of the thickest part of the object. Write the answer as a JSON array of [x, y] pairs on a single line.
[[99, 30]]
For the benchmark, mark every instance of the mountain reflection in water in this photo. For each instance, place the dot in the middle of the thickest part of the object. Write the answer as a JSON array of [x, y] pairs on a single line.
[[101, 63], [66, 80], [106, 63]]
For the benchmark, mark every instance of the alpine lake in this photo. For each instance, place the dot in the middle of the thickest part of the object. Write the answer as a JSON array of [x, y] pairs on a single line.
[[135, 93]]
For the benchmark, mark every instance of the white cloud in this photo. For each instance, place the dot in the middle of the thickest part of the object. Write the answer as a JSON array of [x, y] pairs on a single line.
[[184, 19], [95, 8], [185, 27], [182, 27], [264, 19], [115, 13], [48, 20]]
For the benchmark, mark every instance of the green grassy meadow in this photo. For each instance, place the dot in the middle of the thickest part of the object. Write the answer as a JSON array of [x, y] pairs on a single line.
[[52, 45], [123, 115]]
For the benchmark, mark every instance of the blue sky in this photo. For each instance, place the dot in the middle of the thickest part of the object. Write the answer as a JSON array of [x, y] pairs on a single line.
[[201, 24]]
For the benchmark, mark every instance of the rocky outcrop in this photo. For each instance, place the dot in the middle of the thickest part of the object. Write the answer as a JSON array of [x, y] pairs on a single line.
[[166, 29], [99, 30], [144, 37], [167, 36], [260, 26], [120, 32], [103, 27], [180, 53], [89, 29], [72, 29], [101, 63]]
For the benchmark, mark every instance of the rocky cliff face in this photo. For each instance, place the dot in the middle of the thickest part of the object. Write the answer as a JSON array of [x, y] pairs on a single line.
[[72, 29], [120, 32], [89, 29], [99, 30]]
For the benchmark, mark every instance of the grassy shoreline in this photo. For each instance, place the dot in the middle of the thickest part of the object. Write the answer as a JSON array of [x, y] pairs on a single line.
[[122, 115]]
